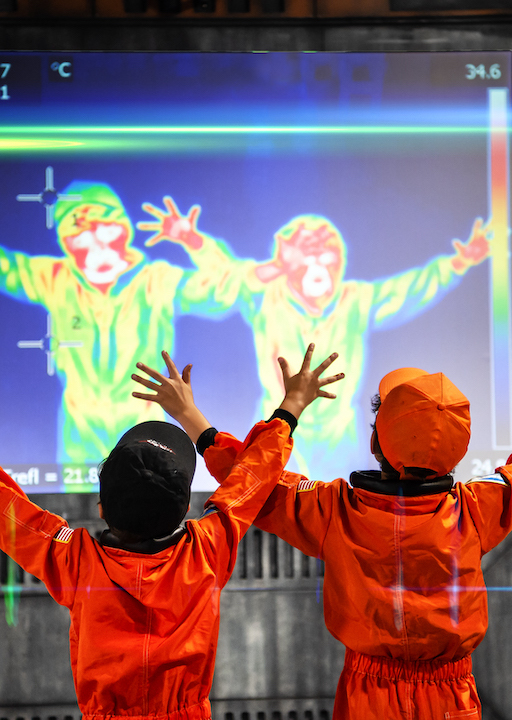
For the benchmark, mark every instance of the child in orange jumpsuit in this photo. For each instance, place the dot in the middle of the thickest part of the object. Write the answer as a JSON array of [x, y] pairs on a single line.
[[144, 600], [403, 586]]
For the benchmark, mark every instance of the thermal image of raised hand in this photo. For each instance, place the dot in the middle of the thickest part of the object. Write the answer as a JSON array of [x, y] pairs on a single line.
[[112, 303], [170, 225], [300, 295]]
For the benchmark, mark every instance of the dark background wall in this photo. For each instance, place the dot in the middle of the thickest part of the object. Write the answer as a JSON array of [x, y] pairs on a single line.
[[348, 35], [275, 658]]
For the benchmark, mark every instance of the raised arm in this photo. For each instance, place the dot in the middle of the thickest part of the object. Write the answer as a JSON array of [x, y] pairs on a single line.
[[39, 541], [25, 277], [220, 281], [399, 298]]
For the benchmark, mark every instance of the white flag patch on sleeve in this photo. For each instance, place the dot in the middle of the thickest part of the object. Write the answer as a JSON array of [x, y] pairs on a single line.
[[306, 485], [64, 535]]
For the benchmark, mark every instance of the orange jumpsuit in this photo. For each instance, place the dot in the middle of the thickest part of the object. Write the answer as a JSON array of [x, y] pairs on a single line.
[[403, 586], [144, 625]]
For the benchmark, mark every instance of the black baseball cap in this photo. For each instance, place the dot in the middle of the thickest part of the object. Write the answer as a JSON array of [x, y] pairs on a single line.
[[145, 481]]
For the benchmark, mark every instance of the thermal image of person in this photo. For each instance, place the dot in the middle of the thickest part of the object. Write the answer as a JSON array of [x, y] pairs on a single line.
[[104, 294], [301, 293], [403, 586]]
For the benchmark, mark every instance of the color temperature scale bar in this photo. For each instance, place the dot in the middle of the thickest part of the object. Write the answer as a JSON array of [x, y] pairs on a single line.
[[499, 191]]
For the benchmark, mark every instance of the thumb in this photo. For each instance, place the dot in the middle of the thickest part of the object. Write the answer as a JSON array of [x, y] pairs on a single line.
[[186, 373], [193, 214]]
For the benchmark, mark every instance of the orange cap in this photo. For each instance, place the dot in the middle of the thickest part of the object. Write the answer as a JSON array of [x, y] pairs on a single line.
[[423, 421]]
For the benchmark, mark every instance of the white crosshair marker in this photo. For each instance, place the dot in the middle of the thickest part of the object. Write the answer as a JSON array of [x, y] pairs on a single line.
[[48, 197], [45, 344]]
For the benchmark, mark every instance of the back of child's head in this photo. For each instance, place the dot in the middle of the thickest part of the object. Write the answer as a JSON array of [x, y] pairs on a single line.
[[423, 423], [145, 481]]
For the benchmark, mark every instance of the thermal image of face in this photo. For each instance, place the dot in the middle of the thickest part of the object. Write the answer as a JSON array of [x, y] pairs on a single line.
[[99, 252]]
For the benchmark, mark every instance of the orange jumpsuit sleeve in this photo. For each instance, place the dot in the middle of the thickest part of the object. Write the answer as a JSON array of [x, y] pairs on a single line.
[[298, 510], [248, 476], [220, 457], [489, 502], [40, 542]]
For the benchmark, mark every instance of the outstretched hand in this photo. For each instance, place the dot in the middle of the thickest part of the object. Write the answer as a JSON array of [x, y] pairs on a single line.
[[172, 225], [174, 394], [304, 387], [476, 249]]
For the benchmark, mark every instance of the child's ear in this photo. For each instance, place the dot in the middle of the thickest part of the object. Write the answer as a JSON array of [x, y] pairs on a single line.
[[375, 447], [100, 511]]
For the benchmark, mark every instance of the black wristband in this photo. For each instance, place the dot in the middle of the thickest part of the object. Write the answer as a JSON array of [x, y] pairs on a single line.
[[206, 439], [286, 416]]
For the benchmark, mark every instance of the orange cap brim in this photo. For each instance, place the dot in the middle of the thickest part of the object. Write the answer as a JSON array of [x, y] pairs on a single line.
[[398, 377]]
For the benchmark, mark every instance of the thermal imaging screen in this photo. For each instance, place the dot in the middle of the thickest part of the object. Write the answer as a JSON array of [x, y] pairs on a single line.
[[233, 208]]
